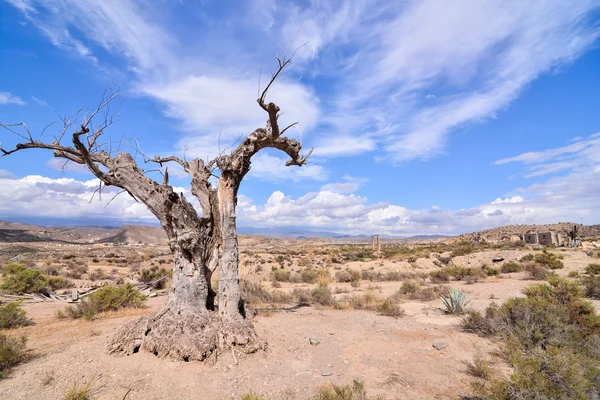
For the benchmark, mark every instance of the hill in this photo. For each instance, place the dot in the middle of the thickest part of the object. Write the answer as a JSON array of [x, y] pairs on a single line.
[[505, 232]]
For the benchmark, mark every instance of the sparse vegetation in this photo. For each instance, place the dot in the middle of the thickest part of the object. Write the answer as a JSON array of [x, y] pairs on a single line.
[[107, 298], [13, 316], [511, 267], [552, 343], [390, 308], [25, 281], [12, 352], [79, 391], [455, 301], [156, 275]]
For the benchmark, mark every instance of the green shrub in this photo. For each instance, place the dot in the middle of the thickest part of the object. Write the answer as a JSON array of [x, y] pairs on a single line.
[[593, 269], [11, 269], [489, 271], [510, 267], [25, 281], [107, 298], [527, 257], [552, 342], [13, 316], [455, 301], [12, 352], [308, 275], [548, 260]]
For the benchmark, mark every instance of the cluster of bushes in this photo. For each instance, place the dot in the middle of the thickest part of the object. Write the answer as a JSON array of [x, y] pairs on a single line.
[[469, 275], [306, 275], [591, 281], [153, 274], [553, 343], [107, 298], [12, 349], [20, 280]]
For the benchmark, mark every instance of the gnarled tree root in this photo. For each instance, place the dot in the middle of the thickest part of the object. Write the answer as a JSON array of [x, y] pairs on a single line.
[[186, 335]]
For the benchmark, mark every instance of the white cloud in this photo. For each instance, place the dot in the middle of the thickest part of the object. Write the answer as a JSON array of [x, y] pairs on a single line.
[[4, 174], [7, 98], [39, 101], [348, 185], [270, 168], [395, 76], [509, 200]]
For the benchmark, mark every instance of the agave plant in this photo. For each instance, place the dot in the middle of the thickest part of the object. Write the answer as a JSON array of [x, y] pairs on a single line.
[[455, 301]]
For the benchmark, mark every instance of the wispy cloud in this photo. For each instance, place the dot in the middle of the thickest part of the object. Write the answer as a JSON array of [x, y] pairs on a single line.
[[7, 98], [391, 77], [39, 102]]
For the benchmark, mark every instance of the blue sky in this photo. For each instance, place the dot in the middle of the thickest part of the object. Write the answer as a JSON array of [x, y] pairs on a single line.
[[428, 116]]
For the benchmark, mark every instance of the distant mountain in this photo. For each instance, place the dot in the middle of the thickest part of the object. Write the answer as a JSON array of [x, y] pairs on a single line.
[[21, 232], [505, 232]]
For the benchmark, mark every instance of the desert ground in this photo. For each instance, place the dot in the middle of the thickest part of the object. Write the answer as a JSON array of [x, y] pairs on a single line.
[[422, 354]]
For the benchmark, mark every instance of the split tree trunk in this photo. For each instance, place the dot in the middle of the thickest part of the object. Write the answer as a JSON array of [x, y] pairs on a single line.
[[188, 327]]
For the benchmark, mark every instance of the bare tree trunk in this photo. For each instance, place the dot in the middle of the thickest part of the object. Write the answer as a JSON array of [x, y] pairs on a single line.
[[230, 301]]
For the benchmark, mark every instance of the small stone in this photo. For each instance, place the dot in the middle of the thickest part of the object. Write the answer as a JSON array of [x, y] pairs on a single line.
[[326, 373], [440, 345], [332, 333], [346, 362], [314, 341], [358, 379]]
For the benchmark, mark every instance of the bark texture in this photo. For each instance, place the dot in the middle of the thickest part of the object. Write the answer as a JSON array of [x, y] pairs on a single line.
[[190, 326]]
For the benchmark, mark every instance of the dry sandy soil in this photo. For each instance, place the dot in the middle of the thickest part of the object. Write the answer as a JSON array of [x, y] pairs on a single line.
[[395, 357]]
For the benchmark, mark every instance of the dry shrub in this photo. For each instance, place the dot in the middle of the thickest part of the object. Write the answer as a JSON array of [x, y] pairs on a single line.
[[592, 286], [154, 274], [552, 343], [13, 316], [549, 260], [535, 271], [479, 367], [593, 269], [511, 267], [347, 275], [439, 276], [59, 282], [280, 275], [308, 275], [355, 391], [79, 392], [12, 352], [390, 308]]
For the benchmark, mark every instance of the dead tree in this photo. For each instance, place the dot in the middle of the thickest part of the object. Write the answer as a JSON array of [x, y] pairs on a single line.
[[190, 326]]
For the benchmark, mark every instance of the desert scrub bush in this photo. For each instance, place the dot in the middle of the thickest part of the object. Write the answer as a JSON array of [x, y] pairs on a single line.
[[552, 343], [390, 308], [527, 257], [465, 274], [79, 391], [410, 287], [76, 271], [348, 275], [593, 269], [535, 271], [254, 293], [153, 274], [308, 275], [489, 271], [439, 276], [280, 275], [548, 260], [13, 316], [322, 296], [25, 281], [463, 249], [354, 391], [592, 286], [479, 367], [59, 282], [510, 267], [455, 301], [107, 298], [12, 269], [12, 352]]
